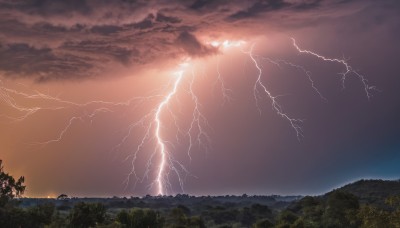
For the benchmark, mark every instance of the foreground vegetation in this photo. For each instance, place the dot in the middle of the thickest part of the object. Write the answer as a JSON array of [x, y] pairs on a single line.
[[366, 203]]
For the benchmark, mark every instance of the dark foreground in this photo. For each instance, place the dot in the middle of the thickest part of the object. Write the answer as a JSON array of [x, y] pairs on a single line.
[[365, 203]]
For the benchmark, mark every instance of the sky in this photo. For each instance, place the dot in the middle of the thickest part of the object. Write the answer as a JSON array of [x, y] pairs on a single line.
[[84, 86]]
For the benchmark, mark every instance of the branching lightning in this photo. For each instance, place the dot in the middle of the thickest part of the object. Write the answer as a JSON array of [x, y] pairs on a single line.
[[153, 122], [348, 67], [295, 123]]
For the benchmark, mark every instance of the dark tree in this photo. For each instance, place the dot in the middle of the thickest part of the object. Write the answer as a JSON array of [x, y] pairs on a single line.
[[9, 187], [87, 214], [341, 210], [62, 197]]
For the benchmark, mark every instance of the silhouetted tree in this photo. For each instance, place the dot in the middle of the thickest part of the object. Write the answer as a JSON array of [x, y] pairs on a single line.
[[62, 197], [9, 187]]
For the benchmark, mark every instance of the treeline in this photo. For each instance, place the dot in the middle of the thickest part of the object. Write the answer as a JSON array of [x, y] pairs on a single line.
[[97, 215], [336, 209], [379, 207]]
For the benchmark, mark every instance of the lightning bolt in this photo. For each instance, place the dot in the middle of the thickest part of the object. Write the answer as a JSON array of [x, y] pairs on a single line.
[[153, 123], [226, 93], [280, 62], [258, 84], [160, 142], [348, 68]]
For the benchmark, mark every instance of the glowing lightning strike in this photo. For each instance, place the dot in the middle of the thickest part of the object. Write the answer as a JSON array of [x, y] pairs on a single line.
[[349, 68], [295, 123], [163, 152], [280, 62], [152, 122]]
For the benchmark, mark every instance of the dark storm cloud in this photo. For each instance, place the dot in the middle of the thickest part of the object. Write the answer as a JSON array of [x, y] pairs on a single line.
[[162, 18], [105, 29], [192, 46], [207, 4], [309, 5], [85, 38], [99, 49], [42, 62], [260, 7], [201, 3], [47, 7]]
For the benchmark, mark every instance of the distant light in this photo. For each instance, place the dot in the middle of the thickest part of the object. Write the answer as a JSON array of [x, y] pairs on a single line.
[[226, 43], [215, 43]]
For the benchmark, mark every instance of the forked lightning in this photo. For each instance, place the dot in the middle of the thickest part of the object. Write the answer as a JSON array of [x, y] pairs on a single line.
[[162, 162]]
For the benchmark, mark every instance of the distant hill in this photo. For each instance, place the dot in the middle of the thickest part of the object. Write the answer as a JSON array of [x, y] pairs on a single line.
[[372, 191]]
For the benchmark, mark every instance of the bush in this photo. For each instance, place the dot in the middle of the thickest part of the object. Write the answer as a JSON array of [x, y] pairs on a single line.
[[38, 216], [87, 214], [140, 218]]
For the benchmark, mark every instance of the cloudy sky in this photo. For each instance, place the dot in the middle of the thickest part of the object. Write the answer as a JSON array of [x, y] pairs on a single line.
[[81, 83]]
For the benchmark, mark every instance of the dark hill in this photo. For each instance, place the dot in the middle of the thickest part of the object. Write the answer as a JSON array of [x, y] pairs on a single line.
[[372, 191]]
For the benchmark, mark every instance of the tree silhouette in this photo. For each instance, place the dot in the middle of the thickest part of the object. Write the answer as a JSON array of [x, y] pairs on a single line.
[[9, 187], [62, 197]]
